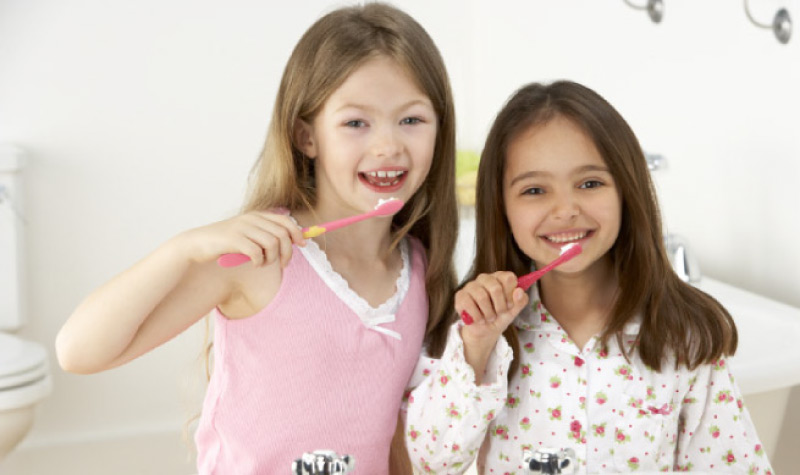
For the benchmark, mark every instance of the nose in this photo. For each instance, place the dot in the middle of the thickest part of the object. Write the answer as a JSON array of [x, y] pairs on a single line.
[[565, 206], [385, 142]]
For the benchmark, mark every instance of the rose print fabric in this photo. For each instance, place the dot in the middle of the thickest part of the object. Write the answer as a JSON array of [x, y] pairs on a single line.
[[618, 415]]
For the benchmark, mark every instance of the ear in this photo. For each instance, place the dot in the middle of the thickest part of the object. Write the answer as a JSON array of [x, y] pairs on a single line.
[[304, 138]]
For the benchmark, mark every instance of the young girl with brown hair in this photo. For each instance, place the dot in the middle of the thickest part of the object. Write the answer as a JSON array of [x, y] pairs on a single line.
[[314, 344], [611, 354]]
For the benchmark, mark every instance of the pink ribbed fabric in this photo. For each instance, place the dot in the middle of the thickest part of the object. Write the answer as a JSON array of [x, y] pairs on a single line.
[[305, 374]]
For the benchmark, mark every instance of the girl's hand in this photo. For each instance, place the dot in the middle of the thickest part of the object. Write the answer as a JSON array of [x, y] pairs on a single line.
[[491, 303], [263, 236]]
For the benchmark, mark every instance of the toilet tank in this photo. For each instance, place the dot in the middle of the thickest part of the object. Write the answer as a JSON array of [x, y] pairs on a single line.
[[12, 313]]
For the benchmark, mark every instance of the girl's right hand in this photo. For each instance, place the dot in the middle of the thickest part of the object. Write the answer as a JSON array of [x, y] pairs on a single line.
[[491, 302], [262, 236]]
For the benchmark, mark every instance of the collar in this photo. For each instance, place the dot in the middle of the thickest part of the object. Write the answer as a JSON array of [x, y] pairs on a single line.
[[535, 317]]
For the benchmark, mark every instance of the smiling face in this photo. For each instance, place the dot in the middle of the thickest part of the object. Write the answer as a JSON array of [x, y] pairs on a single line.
[[374, 138], [557, 190]]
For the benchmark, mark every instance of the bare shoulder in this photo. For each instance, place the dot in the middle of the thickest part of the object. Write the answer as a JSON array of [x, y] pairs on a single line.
[[254, 287]]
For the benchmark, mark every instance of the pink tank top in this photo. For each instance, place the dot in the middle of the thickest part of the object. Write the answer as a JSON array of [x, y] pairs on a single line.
[[317, 368]]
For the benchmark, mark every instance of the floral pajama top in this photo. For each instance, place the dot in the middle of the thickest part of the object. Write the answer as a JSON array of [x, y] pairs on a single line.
[[618, 416]]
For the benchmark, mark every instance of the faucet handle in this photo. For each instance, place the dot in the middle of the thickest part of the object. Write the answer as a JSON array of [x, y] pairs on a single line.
[[550, 461], [681, 258], [322, 462]]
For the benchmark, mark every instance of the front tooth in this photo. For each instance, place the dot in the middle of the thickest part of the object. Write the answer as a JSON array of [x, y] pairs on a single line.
[[381, 174], [392, 174], [567, 238]]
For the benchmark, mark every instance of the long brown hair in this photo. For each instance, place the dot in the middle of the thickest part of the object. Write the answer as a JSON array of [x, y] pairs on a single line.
[[676, 317]]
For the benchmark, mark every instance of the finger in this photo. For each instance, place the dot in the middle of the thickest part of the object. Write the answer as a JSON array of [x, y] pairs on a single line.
[[277, 224], [275, 240], [467, 318], [483, 300], [509, 282], [499, 296], [466, 308], [520, 301], [252, 250], [497, 293], [295, 232]]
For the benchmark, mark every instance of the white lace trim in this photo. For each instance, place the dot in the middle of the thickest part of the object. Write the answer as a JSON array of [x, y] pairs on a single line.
[[371, 317]]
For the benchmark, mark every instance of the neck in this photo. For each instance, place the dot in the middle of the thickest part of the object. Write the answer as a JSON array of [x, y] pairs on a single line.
[[367, 240], [580, 302]]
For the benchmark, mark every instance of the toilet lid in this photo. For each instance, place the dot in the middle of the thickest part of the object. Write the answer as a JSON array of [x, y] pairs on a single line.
[[32, 375], [18, 356]]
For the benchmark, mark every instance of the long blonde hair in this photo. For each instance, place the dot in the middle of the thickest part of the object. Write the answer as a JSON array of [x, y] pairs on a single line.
[[332, 48]]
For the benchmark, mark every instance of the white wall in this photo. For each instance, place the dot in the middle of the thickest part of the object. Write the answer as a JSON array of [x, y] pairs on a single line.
[[143, 118]]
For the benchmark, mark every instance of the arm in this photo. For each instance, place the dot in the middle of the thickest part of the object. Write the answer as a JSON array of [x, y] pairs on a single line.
[[169, 290], [448, 415], [717, 433]]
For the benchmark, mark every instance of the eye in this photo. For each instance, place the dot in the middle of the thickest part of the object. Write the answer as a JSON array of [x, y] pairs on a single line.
[[357, 123], [588, 184], [533, 190], [411, 121]]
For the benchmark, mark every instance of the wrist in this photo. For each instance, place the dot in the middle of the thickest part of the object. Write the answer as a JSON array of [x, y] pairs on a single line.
[[477, 352], [481, 344], [181, 247]]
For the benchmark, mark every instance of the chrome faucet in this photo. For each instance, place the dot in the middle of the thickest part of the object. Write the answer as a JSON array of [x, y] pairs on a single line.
[[322, 462], [549, 461], [681, 258]]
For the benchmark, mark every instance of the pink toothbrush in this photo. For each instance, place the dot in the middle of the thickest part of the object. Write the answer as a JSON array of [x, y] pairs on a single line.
[[383, 208], [524, 282], [567, 252]]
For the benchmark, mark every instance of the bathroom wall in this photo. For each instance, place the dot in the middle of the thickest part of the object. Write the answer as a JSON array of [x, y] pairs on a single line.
[[143, 118]]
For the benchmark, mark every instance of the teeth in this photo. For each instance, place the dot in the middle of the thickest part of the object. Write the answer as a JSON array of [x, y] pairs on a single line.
[[384, 178], [385, 174], [567, 237]]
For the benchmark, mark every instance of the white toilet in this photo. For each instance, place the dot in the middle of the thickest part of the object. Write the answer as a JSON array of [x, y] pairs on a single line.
[[24, 381], [24, 369]]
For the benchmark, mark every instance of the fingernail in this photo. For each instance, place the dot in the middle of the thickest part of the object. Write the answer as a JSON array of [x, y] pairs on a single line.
[[466, 318]]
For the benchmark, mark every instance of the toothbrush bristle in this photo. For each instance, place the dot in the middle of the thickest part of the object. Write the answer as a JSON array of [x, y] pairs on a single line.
[[389, 207], [571, 248]]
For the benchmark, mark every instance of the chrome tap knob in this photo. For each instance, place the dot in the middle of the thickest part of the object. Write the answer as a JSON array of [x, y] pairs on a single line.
[[681, 258], [322, 462], [550, 461]]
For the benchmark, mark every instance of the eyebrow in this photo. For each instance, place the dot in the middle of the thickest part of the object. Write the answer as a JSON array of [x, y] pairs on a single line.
[[579, 170], [408, 104]]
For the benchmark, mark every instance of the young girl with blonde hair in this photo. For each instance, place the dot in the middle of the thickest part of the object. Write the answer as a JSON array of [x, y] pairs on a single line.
[[610, 354], [316, 339]]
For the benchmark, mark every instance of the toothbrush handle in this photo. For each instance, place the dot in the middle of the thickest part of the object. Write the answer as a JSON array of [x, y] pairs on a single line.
[[232, 259], [525, 281], [340, 223]]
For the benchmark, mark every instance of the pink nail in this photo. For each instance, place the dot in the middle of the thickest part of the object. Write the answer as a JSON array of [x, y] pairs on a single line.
[[466, 318]]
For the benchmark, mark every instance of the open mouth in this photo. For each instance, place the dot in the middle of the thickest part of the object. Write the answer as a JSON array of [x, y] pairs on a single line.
[[568, 237], [383, 178]]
